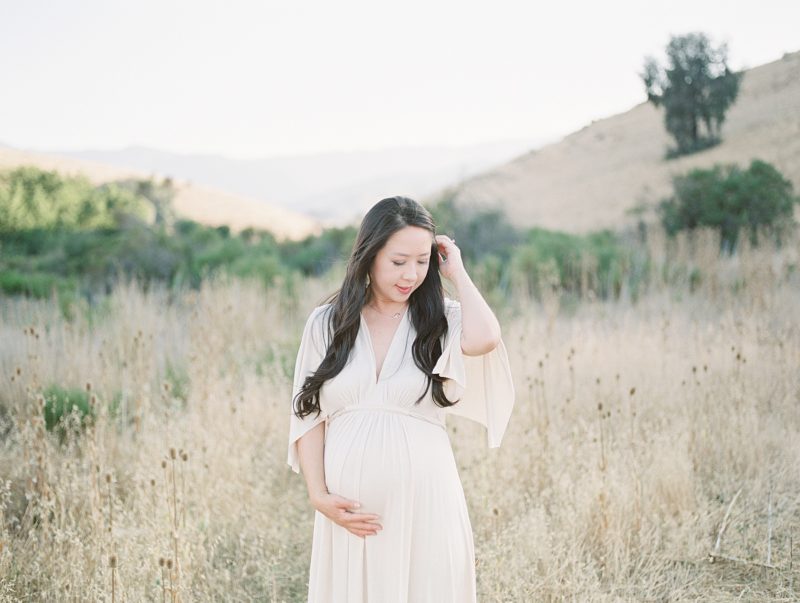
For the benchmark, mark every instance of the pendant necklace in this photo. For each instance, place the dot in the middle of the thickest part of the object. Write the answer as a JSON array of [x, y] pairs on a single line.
[[395, 315]]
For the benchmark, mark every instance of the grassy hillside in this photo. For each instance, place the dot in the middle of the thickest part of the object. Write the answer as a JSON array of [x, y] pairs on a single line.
[[201, 204], [589, 179]]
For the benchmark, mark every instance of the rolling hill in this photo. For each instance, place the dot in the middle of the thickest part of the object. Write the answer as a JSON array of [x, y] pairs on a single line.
[[203, 204], [334, 187], [591, 177]]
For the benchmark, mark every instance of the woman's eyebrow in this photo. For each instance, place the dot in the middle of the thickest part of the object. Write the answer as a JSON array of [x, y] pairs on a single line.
[[405, 255]]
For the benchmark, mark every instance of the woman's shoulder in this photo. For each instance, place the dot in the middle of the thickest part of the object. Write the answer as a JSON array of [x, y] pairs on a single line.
[[316, 324], [321, 309], [318, 315]]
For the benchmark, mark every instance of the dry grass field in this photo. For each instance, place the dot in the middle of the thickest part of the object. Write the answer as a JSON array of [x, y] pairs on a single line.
[[647, 440]]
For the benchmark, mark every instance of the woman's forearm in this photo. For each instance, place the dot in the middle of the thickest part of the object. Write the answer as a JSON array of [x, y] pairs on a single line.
[[310, 448], [480, 329]]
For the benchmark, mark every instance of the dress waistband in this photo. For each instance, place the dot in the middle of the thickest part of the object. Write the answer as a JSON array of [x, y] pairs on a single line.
[[384, 408]]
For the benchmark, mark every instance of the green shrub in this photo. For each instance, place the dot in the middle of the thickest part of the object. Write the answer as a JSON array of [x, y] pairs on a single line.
[[38, 285], [731, 200], [35, 198], [60, 401], [572, 262]]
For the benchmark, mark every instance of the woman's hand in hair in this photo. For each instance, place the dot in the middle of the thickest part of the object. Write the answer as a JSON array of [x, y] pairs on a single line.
[[343, 511], [451, 265]]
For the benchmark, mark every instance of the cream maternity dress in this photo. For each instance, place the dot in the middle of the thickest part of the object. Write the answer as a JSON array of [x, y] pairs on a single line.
[[395, 458]]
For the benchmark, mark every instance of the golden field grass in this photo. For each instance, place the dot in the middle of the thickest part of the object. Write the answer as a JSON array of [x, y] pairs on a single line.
[[635, 428]]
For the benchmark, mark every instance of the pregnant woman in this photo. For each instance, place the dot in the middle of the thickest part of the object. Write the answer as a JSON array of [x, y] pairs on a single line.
[[380, 365]]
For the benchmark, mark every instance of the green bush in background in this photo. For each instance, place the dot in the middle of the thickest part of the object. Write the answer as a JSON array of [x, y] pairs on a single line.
[[34, 198], [59, 402], [59, 235], [730, 199]]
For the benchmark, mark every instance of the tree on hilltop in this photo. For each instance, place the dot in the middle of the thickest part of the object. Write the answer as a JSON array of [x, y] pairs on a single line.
[[696, 89]]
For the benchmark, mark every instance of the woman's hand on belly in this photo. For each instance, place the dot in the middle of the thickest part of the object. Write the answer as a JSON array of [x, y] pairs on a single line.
[[340, 511]]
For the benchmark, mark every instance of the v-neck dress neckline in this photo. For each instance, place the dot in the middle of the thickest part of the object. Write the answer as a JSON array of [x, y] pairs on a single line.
[[377, 376]]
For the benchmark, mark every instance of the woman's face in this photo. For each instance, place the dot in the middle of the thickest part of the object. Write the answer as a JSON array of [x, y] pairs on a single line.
[[401, 264]]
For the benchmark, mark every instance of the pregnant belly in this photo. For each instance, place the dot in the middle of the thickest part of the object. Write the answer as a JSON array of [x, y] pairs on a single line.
[[385, 460]]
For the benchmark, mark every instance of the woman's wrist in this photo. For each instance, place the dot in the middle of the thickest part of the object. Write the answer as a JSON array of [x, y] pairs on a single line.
[[314, 496]]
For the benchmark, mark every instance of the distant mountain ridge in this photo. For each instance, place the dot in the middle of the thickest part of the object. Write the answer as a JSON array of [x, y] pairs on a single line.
[[331, 187]]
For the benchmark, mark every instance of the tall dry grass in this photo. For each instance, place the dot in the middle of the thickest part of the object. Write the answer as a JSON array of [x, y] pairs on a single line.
[[635, 428]]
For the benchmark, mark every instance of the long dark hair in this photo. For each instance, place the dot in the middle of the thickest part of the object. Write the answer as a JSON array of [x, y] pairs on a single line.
[[425, 305]]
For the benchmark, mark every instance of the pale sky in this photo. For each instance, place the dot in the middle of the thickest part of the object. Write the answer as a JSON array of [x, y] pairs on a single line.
[[259, 79]]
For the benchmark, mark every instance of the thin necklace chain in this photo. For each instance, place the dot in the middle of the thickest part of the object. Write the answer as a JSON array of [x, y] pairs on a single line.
[[395, 315]]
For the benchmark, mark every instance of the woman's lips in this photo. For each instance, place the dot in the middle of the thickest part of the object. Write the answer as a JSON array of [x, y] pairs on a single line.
[[403, 290]]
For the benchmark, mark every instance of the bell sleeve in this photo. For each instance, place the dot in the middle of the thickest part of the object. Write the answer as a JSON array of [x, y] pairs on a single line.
[[309, 356], [482, 384]]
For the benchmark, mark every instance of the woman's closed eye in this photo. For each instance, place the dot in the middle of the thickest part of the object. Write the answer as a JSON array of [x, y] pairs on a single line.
[[421, 263]]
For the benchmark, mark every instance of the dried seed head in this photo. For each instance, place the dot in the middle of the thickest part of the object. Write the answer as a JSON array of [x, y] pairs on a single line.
[[88, 386], [172, 453], [694, 369], [167, 386], [169, 563], [600, 406], [185, 456], [112, 561], [152, 482], [108, 478], [163, 464], [19, 371], [495, 511], [161, 562], [597, 381], [633, 391]]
